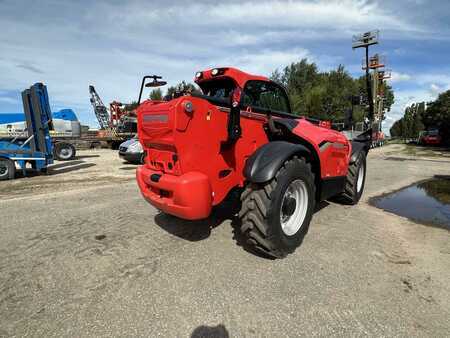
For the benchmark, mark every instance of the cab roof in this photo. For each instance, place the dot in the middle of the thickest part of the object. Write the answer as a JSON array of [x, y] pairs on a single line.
[[237, 75]]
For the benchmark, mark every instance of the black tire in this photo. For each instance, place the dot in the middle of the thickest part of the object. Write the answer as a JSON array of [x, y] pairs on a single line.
[[352, 194], [143, 156], [64, 151], [261, 212], [7, 169]]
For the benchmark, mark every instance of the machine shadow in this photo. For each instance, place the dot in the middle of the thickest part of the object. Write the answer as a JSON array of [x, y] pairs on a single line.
[[56, 169], [78, 157], [219, 331], [199, 230], [68, 166], [192, 231], [128, 168]]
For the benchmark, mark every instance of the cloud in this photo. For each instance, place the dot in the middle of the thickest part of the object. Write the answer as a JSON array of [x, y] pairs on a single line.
[[30, 67], [266, 61], [441, 78], [435, 89], [8, 100], [112, 44], [344, 14], [399, 77]]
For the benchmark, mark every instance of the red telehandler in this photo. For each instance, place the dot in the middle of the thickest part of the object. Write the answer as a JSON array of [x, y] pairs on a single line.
[[240, 134]]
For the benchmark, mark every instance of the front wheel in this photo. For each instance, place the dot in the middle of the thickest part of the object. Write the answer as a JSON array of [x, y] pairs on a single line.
[[64, 151], [275, 215], [7, 169], [355, 181]]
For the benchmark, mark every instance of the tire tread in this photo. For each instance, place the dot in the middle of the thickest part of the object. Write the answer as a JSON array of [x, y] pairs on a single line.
[[256, 203]]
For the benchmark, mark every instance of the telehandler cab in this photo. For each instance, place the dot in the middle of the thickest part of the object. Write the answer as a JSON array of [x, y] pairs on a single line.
[[240, 133]]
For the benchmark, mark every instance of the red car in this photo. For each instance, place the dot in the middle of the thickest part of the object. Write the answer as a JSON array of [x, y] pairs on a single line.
[[431, 137]]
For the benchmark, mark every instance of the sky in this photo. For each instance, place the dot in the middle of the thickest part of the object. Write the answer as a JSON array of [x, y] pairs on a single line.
[[69, 45]]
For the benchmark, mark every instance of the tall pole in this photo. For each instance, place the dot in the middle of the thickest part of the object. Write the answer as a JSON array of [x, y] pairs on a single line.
[[369, 87]]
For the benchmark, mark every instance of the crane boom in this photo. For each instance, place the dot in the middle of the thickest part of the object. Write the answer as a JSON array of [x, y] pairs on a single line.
[[99, 109]]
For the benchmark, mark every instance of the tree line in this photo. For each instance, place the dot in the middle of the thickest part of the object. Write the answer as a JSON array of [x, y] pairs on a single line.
[[425, 116], [327, 95]]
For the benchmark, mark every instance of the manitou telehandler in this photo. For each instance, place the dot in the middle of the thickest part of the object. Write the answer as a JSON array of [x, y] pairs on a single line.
[[240, 133]]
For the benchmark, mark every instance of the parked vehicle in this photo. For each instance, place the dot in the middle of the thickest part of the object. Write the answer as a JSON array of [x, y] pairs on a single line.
[[66, 129], [430, 137], [36, 149], [240, 135], [132, 151], [378, 139]]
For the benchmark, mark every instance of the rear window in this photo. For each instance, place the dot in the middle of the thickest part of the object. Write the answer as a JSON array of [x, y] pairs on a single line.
[[218, 90]]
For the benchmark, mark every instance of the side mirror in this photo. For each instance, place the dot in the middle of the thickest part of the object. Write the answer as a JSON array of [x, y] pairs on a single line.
[[154, 83]]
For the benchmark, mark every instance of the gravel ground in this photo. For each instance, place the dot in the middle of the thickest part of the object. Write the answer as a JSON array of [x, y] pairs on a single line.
[[82, 254]]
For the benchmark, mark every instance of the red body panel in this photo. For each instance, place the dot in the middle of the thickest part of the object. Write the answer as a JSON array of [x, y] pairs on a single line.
[[188, 196], [334, 155], [196, 171]]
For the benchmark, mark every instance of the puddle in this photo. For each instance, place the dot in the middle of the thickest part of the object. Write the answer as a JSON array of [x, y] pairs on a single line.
[[426, 202]]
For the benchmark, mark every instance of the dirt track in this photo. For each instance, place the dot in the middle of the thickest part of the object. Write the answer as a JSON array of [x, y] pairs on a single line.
[[82, 254]]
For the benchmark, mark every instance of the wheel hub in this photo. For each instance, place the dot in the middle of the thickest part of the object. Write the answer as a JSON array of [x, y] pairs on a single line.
[[65, 153], [288, 207], [3, 169], [294, 207]]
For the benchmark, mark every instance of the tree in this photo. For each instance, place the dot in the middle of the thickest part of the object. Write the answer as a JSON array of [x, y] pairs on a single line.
[[410, 125], [130, 106], [397, 129], [389, 96], [182, 87], [437, 115], [156, 94], [324, 95]]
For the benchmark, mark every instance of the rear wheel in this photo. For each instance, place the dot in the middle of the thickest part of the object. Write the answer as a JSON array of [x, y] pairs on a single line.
[[64, 151], [356, 179], [7, 169], [276, 215]]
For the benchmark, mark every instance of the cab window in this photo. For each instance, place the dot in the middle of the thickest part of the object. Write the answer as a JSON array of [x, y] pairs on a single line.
[[265, 97], [218, 88]]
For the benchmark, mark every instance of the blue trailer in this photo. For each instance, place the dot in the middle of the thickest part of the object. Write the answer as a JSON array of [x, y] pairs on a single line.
[[37, 149]]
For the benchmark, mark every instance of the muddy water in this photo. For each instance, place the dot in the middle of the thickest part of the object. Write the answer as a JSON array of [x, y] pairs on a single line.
[[426, 202]]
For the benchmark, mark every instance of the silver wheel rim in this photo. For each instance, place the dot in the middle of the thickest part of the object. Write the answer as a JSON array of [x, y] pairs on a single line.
[[294, 207], [65, 153], [360, 181]]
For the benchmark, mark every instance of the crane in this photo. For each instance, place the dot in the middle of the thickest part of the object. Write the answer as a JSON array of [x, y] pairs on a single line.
[[100, 110]]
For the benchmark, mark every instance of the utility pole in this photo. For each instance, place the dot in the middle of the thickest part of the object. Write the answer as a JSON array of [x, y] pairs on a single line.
[[364, 41], [369, 89]]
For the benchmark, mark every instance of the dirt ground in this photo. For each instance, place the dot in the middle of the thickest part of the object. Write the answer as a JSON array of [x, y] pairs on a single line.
[[82, 254]]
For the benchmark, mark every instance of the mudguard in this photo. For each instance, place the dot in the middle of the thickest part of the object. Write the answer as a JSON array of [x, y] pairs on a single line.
[[357, 148], [264, 163], [361, 143]]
